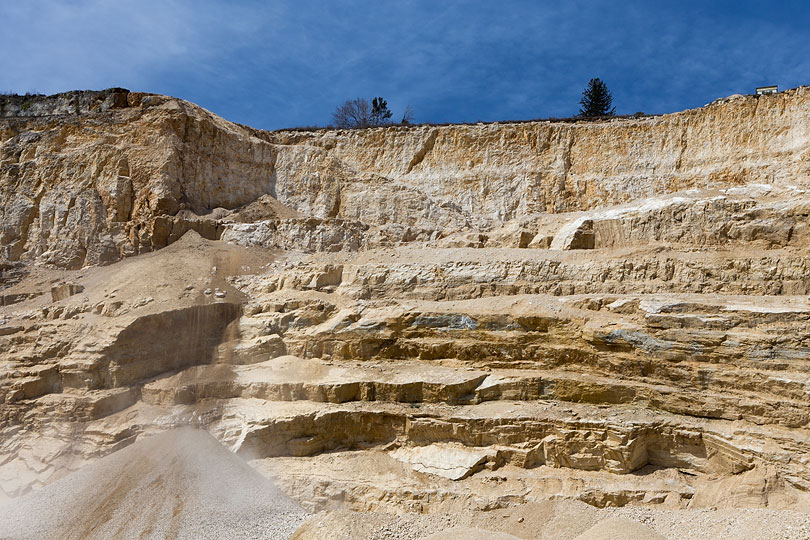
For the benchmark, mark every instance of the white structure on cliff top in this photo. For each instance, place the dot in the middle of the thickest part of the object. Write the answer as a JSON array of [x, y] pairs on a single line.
[[762, 90]]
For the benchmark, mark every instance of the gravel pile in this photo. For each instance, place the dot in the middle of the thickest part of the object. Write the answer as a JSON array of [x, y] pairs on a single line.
[[178, 484]]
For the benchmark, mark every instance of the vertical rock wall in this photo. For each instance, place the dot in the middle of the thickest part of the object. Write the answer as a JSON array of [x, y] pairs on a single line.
[[89, 188]]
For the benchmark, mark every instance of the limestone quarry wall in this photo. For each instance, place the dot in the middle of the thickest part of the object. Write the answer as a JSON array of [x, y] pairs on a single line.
[[602, 297], [89, 188], [505, 170]]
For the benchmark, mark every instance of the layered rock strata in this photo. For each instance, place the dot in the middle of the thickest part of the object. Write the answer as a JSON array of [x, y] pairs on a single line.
[[479, 316], [134, 171]]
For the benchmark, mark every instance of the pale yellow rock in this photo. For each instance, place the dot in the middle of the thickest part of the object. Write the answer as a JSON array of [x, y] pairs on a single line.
[[446, 461], [619, 529], [467, 533], [414, 326], [142, 186]]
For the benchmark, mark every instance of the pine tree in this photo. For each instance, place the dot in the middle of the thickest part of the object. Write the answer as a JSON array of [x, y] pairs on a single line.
[[379, 112], [596, 100]]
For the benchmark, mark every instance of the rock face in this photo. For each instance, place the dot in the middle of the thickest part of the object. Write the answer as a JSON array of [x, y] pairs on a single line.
[[475, 317], [132, 172]]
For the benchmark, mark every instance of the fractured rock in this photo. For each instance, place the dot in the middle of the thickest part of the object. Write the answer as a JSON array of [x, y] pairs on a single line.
[[447, 461], [65, 290], [388, 343], [467, 533]]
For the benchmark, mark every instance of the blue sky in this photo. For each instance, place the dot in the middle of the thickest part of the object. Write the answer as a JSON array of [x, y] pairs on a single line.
[[274, 64]]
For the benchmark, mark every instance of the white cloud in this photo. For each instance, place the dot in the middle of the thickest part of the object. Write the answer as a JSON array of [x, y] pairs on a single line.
[[290, 62]]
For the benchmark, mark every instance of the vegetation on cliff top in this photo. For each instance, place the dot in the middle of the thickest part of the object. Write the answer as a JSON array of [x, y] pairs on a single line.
[[596, 100], [359, 113]]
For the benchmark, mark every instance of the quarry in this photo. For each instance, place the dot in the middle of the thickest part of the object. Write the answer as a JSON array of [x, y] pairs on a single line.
[[533, 330]]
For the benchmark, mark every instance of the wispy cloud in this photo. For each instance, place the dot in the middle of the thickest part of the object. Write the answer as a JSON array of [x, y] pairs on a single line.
[[283, 63]]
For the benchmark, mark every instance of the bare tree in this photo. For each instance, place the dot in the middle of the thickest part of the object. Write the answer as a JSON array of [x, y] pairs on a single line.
[[359, 113], [407, 116], [354, 113]]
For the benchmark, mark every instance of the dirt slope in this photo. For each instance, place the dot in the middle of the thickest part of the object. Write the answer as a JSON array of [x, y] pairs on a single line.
[[178, 484]]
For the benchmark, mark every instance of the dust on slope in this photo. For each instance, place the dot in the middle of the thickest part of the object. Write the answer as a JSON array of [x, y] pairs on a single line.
[[178, 484]]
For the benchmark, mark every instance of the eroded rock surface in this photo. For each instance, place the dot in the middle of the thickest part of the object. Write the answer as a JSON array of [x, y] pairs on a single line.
[[425, 319]]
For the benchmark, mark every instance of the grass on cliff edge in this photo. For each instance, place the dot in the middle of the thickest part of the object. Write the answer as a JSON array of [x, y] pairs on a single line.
[[568, 119]]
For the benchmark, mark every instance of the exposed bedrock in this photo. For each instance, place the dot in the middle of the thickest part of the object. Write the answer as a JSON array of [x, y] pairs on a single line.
[[115, 181], [427, 274], [421, 318]]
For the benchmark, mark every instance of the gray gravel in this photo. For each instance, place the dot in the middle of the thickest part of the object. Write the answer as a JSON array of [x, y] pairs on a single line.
[[178, 484], [566, 520]]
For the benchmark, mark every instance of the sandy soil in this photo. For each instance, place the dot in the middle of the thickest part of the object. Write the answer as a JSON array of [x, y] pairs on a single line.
[[174, 277]]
